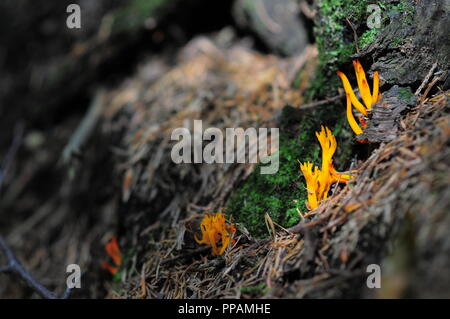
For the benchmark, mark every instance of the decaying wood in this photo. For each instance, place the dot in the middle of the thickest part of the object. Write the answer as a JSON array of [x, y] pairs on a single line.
[[424, 40], [384, 118]]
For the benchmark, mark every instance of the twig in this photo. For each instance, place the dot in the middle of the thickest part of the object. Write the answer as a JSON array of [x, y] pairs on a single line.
[[321, 102], [430, 86], [14, 266], [84, 129], [17, 140], [325, 101], [311, 105], [354, 34], [426, 79], [186, 255]]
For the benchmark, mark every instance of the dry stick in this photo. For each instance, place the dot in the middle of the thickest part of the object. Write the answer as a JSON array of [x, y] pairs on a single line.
[[85, 128], [186, 255], [426, 79], [325, 101], [310, 105], [322, 102], [307, 106], [13, 266], [430, 86], [16, 267], [354, 34], [17, 140]]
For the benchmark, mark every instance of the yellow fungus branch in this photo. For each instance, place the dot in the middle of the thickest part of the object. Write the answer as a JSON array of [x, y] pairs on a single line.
[[318, 181], [364, 90], [348, 89], [351, 119]]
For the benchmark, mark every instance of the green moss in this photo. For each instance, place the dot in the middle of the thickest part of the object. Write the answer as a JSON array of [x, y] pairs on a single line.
[[283, 195], [255, 290], [397, 42], [335, 41], [274, 194], [337, 22], [403, 9], [135, 12], [334, 36], [367, 38], [406, 95], [117, 277]]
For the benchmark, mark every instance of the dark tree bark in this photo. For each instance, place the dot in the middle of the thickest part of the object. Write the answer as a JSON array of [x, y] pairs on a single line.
[[407, 49]]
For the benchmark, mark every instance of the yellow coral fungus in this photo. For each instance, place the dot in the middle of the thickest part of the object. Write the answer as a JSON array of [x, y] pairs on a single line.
[[312, 183], [318, 181], [328, 144], [351, 119], [368, 98], [214, 229]]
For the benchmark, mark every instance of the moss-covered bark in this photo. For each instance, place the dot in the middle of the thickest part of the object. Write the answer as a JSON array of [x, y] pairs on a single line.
[[283, 195], [343, 30], [341, 33]]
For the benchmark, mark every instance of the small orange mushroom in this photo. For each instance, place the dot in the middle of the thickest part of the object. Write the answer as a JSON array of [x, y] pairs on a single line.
[[215, 229], [113, 250]]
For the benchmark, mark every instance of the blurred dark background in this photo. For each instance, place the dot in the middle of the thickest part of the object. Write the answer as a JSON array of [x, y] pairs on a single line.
[[49, 74]]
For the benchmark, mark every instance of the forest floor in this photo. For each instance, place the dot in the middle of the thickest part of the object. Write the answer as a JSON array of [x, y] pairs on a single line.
[[75, 176], [399, 198]]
